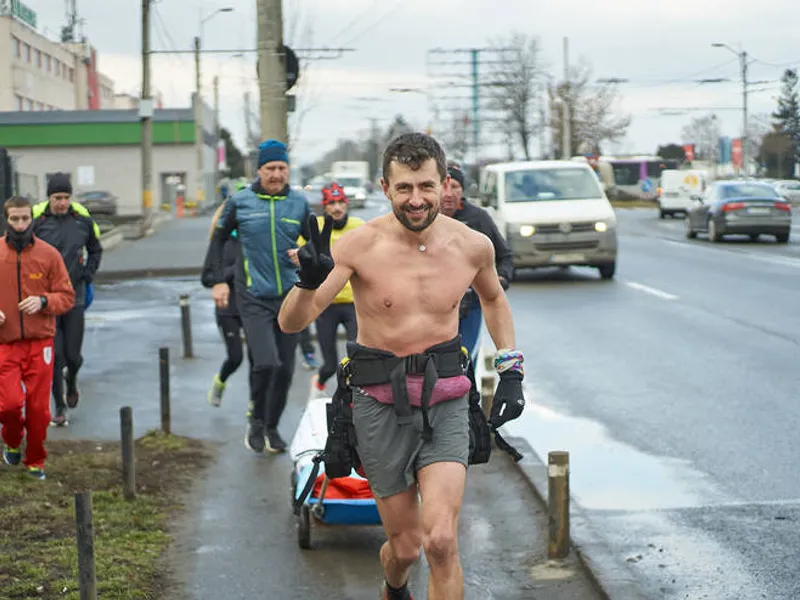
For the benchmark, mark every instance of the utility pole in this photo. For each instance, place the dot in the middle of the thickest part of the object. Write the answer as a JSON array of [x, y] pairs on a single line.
[[445, 84], [216, 128], [475, 103], [248, 171], [566, 145], [146, 116], [198, 126], [743, 60], [273, 107]]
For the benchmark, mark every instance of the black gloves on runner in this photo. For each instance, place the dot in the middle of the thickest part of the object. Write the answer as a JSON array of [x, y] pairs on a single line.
[[508, 399], [315, 257]]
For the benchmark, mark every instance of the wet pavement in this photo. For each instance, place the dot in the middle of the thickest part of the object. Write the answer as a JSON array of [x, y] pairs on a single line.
[[237, 538], [674, 388]]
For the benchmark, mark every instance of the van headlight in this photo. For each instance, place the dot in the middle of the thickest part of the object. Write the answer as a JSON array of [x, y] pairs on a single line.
[[527, 230], [601, 227]]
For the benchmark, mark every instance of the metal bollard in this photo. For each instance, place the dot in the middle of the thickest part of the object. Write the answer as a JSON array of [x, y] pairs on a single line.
[[163, 364], [558, 504], [84, 522], [186, 326], [128, 468]]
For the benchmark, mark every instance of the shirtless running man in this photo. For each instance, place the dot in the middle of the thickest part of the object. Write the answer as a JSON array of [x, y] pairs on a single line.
[[409, 271]]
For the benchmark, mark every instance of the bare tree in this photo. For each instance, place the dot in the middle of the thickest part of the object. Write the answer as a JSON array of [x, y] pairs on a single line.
[[758, 127], [515, 84], [704, 133], [457, 139], [594, 116]]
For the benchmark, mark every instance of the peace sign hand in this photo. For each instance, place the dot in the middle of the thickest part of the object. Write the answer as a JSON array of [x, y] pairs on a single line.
[[315, 257]]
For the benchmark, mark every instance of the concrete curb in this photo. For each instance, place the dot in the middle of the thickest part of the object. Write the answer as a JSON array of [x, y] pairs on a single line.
[[610, 575], [146, 273], [111, 239]]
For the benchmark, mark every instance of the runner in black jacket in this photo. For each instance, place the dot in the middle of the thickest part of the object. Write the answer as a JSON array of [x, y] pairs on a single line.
[[69, 227], [456, 206], [228, 320]]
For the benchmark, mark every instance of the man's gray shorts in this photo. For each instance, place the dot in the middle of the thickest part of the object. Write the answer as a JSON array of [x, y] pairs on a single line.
[[393, 453]]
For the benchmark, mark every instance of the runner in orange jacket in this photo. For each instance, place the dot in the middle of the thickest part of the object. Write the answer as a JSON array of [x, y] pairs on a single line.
[[36, 287]]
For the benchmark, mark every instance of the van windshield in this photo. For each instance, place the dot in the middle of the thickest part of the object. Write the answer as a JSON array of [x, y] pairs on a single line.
[[551, 184]]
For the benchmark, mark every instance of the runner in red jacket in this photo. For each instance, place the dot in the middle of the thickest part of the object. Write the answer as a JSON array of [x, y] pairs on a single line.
[[36, 287]]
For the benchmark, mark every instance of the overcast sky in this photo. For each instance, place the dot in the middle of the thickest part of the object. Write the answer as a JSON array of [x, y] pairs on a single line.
[[661, 47]]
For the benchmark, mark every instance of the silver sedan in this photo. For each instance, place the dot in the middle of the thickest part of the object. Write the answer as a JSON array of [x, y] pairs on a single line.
[[749, 208]]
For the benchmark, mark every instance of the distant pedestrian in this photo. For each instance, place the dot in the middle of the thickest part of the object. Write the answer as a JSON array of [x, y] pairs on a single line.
[[36, 288]]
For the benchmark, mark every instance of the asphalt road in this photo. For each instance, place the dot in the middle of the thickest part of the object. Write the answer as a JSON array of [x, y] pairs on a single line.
[[674, 387], [237, 538]]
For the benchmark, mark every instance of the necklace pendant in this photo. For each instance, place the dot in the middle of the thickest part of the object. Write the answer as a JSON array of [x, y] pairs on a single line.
[[422, 248]]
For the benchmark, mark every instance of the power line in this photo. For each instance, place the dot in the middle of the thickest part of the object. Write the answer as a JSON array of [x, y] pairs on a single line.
[[392, 10], [360, 16]]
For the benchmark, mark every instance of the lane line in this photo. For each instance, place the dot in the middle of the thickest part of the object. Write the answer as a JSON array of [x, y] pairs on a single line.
[[651, 290], [784, 261]]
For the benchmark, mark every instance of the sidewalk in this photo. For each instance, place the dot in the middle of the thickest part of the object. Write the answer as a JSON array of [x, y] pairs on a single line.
[[237, 537], [176, 248]]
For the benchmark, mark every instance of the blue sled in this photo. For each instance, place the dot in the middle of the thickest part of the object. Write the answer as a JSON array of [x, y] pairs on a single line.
[[330, 511]]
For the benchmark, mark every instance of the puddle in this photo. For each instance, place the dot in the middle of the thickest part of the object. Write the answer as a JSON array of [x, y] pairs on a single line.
[[608, 475]]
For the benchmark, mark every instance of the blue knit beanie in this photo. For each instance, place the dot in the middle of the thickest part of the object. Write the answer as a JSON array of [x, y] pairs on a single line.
[[272, 150]]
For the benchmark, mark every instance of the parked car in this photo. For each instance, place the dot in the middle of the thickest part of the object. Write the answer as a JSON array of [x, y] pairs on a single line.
[[98, 202], [552, 213], [740, 208]]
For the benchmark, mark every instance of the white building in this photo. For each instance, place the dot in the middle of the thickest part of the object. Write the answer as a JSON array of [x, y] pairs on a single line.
[[39, 74]]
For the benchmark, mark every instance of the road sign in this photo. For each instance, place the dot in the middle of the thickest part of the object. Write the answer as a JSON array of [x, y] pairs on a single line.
[[292, 65], [647, 186]]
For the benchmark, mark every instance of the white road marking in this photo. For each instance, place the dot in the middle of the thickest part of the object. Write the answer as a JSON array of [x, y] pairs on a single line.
[[785, 261], [651, 290]]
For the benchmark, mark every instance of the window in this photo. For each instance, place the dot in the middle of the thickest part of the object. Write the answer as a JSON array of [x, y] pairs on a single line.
[[71, 75], [39, 106], [552, 184], [58, 67], [18, 100], [626, 173], [38, 55], [17, 48], [48, 61], [753, 190], [26, 51], [28, 104]]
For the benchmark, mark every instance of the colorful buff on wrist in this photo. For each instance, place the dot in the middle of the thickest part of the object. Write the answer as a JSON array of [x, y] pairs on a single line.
[[509, 360]]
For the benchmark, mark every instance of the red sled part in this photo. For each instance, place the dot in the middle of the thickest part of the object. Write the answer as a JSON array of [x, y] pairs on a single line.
[[343, 488]]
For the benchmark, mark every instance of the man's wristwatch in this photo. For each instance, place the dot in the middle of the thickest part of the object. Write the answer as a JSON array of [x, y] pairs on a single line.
[[44, 301]]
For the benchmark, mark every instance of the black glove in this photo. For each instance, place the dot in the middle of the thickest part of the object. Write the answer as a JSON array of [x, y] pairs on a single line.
[[315, 257], [467, 302], [508, 399]]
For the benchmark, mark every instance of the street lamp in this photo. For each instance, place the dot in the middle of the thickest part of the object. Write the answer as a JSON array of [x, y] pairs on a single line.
[[198, 110], [742, 55]]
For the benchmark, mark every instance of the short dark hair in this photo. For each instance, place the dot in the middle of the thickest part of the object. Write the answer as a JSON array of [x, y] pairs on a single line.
[[413, 149], [16, 202]]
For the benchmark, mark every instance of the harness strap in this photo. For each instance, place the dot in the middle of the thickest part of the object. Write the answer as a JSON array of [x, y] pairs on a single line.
[[312, 479], [431, 377]]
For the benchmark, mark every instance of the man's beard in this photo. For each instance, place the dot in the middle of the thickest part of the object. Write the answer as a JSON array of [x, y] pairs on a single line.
[[402, 216]]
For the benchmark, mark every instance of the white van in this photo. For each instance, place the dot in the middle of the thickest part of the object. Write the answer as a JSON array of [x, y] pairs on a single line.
[[677, 190], [552, 213]]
